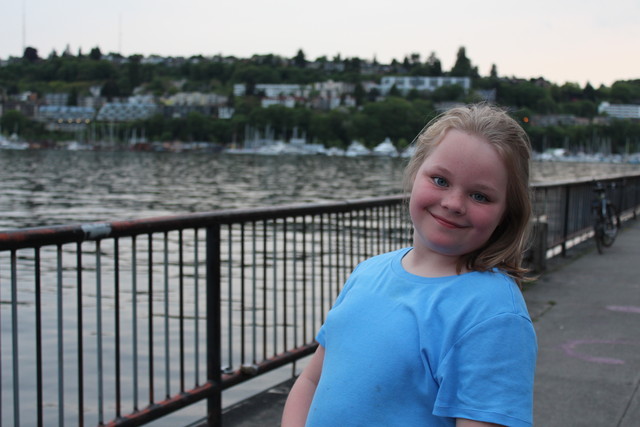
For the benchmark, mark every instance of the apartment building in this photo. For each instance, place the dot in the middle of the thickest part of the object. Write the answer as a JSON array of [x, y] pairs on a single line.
[[124, 112], [273, 90], [620, 111], [65, 118], [421, 83]]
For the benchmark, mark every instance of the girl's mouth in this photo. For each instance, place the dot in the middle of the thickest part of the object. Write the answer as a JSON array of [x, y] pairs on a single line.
[[446, 223]]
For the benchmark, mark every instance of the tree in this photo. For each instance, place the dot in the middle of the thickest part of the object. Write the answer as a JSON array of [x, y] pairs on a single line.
[[110, 90], [14, 121], [299, 60], [545, 105], [395, 118], [394, 92], [433, 65], [580, 108], [359, 94], [463, 67], [406, 64], [625, 92], [448, 93], [72, 99], [589, 93], [30, 54], [567, 92], [67, 52], [494, 71], [352, 65], [197, 127], [373, 94], [522, 94], [134, 73], [95, 54]]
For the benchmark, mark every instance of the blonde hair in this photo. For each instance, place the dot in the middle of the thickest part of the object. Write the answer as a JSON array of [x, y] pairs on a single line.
[[506, 246]]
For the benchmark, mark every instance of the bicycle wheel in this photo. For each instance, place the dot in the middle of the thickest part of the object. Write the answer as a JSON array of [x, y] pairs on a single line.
[[610, 226], [598, 230]]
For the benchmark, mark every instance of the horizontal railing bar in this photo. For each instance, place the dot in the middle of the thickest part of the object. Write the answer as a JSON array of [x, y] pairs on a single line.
[[182, 400], [580, 181], [164, 407], [250, 371], [61, 234]]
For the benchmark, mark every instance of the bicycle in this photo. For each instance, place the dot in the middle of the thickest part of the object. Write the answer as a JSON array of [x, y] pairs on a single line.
[[606, 218]]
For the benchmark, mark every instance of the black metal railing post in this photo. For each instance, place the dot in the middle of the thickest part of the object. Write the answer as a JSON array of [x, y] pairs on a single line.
[[634, 186], [565, 224], [213, 321]]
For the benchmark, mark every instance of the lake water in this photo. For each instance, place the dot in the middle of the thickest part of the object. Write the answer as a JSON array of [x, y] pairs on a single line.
[[47, 187]]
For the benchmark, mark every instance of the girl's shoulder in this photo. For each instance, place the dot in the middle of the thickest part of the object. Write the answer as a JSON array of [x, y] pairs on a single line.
[[495, 290]]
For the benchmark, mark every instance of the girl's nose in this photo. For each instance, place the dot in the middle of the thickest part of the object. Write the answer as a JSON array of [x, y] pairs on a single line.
[[455, 202]]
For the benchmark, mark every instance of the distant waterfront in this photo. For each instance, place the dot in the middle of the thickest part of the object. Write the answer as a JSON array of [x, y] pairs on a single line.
[[46, 187]]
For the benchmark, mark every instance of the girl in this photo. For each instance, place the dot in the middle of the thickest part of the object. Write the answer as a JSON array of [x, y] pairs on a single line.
[[437, 334]]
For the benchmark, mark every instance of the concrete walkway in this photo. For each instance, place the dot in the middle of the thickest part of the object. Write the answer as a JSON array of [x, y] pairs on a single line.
[[587, 317], [586, 311]]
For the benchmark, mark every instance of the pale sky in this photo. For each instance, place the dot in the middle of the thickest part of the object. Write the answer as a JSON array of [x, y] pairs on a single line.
[[562, 40]]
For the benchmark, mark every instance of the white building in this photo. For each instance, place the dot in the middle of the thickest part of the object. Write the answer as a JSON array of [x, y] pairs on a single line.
[[124, 112], [57, 99], [65, 118], [285, 101], [331, 89], [421, 83], [65, 113], [274, 90], [225, 112], [620, 111], [195, 98]]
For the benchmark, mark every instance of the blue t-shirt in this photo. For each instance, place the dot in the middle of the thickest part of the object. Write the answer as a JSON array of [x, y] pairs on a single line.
[[405, 350]]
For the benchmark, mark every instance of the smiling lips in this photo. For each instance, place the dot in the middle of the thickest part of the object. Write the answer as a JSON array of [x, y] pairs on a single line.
[[446, 223]]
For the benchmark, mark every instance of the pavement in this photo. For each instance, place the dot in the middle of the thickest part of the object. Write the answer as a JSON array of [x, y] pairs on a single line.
[[586, 312]]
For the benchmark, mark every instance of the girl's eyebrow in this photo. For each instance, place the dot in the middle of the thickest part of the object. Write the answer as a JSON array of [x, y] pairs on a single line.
[[486, 188], [439, 168]]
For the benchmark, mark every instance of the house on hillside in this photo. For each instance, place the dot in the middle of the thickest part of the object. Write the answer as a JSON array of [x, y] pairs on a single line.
[[620, 111], [421, 83]]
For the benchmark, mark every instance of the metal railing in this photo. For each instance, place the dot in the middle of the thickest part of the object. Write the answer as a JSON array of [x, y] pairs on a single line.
[[122, 323], [565, 208]]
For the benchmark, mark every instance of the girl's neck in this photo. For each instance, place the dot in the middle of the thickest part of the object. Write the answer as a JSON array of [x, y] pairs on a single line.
[[430, 265]]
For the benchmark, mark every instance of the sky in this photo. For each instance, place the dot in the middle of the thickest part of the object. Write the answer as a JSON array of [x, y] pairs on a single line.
[[575, 41]]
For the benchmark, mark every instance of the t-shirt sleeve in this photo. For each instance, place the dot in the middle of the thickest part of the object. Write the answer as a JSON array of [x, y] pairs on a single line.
[[488, 374]]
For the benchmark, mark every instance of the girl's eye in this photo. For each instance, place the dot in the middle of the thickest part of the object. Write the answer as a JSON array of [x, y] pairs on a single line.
[[439, 181], [478, 197]]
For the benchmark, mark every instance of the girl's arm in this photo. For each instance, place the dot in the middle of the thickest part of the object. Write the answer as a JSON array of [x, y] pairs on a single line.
[[461, 422], [297, 406]]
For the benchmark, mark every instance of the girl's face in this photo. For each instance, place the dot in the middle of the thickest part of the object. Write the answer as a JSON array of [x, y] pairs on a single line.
[[458, 196]]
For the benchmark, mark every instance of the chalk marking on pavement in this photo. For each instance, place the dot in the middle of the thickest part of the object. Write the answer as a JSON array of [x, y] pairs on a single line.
[[624, 308], [570, 350], [570, 347]]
